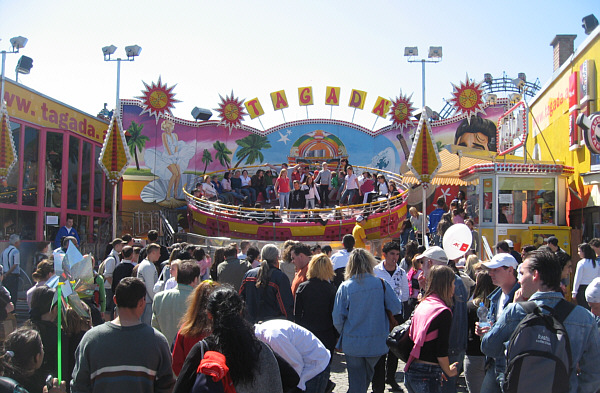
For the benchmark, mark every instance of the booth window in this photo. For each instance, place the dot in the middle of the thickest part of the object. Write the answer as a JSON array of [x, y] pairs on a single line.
[[526, 200], [98, 179], [54, 149], [30, 166], [73, 171], [86, 157], [21, 222]]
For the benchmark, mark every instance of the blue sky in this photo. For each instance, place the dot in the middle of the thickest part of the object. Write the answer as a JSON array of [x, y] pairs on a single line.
[[255, 48]]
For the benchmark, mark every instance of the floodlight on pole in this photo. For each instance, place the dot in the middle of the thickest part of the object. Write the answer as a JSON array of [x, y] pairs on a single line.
[[434, 56], [16, 43]]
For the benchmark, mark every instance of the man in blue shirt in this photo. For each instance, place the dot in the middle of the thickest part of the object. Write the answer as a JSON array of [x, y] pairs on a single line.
[[436, 215], [66, 230], [540, 283]]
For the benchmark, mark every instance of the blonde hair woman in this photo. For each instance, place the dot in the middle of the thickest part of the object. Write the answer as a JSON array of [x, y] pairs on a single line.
[[359, 315], [314, 300]]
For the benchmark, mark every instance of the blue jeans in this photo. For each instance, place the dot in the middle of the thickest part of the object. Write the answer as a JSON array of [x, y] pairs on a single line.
[[423, 378], [147, 315], [449, 386], [251, 192], [318, 383], [491, 383], [360, 372], [348, 194], [284, 200]]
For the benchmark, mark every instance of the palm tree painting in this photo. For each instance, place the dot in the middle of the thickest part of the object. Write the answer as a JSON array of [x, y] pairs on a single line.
[[222, 153], [250, 149], [136, 141], [206, 159]]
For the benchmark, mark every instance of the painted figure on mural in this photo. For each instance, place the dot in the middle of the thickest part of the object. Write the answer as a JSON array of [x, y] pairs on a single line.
[[478, 134], [169, 164]]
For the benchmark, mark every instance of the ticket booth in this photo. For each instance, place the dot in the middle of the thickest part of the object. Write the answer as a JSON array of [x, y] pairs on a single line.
[[521, 202]]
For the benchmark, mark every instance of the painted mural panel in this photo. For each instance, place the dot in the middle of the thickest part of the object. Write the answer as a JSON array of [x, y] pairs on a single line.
[[169, 153]]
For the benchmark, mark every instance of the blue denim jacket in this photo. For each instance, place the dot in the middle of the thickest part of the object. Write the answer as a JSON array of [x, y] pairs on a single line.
[[359, 315], [494, 299], [583, 336], [459, 329]]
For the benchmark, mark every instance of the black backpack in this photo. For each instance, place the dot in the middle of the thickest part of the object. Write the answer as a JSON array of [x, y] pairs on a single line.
[[539, 352]]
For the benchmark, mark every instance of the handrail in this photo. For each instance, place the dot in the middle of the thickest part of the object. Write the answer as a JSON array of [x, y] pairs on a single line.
[[168, 232]]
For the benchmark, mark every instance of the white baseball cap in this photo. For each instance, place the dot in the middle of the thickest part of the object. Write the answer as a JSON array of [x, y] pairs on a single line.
[[592, 292], [510, 243], [359, 218], [502, 259], [436, 253]]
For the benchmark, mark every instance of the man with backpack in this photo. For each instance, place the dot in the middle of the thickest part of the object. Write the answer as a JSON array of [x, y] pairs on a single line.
[[552, 346]]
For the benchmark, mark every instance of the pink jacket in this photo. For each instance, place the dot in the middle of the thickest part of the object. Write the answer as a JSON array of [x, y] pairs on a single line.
[[426, 312]]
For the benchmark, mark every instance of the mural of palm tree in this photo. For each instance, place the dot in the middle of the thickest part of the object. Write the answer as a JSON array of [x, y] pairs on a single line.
[[250, 149], [136, 141], [206, 159], [222, 153]]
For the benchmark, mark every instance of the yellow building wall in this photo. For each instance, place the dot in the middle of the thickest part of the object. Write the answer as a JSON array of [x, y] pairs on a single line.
[[550, 114]]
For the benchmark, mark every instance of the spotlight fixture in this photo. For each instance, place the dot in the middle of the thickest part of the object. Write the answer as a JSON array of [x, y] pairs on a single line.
[[488, 78], [589, 23], [411, 51], [201, 113]]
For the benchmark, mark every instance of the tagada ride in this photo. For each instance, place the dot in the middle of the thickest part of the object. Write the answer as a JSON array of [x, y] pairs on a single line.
[[384, 218]]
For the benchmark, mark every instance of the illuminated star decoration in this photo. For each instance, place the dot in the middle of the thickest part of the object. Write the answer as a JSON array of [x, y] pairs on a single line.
[[231, 112], [468, 98], [158, 99], [284, 138], [402, 112]]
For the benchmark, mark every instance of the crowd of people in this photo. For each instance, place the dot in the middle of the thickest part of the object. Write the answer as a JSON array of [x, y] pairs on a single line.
[[297, 187], [244, 319]]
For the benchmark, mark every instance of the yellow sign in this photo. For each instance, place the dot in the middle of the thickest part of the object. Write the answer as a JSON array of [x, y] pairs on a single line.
[[114, 156], [279, 100], [382, 107], [357, 99], [551, 105], [332, 96], [254, 108], [305, 95], [424, 160], [35, 108]]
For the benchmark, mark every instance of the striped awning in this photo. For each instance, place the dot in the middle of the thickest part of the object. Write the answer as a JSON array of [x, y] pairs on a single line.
[[448, 174]]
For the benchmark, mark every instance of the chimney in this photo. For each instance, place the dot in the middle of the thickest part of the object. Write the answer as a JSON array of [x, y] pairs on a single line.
[[563, 48]]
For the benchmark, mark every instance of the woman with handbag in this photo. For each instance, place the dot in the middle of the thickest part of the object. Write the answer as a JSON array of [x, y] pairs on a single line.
[[360, 311], [428, 363]]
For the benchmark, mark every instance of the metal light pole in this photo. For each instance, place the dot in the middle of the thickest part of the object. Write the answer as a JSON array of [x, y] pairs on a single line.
[[434, 56], [17, 43], [132, 52]]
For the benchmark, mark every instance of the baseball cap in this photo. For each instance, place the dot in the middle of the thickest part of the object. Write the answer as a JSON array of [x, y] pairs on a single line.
[[510, 243], [502, 259], [359, 218], [592, 292], [553, 240], [436, 253]]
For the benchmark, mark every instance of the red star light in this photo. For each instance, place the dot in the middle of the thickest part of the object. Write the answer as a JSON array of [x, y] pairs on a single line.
[[468, 98], [402, 112], [158, 99], [231, 111]]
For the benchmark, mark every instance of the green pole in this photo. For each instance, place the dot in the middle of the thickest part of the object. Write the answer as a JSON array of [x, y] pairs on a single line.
[[58, 324]]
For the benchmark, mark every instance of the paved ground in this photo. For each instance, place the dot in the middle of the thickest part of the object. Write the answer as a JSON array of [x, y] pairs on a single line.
[[340, 377]]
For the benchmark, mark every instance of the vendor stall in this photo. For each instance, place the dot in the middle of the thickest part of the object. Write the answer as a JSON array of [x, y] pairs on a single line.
[[520, 202]]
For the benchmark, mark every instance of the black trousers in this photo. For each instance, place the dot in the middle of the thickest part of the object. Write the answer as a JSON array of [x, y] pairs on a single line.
[[11, 283], [386, 367], [324, 194]]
